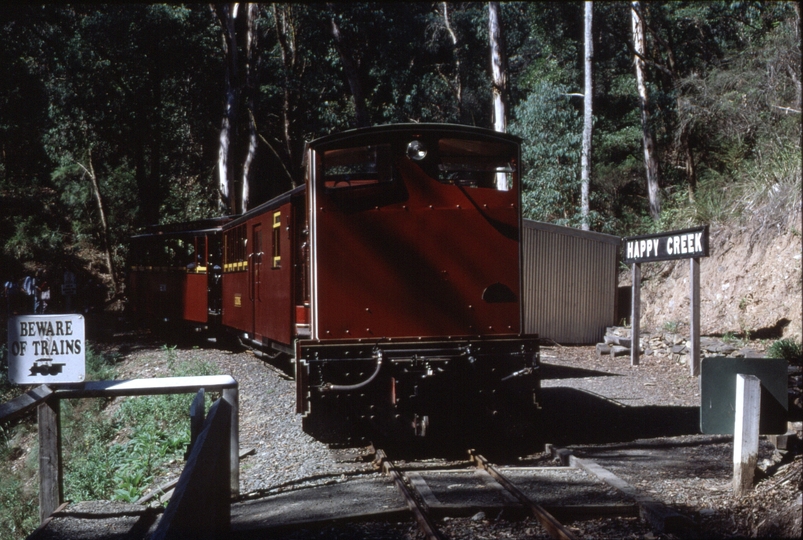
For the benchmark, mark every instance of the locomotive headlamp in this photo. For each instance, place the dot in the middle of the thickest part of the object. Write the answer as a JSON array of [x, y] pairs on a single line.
[[416, 150]]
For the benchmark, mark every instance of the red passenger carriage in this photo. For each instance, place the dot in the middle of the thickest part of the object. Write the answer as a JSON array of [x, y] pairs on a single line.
[[174, 272]]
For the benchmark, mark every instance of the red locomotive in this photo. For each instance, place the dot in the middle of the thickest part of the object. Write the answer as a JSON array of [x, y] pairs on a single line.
[[391, 277]]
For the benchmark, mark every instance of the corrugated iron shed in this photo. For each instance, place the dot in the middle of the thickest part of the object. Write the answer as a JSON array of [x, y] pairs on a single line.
[[570, 282]]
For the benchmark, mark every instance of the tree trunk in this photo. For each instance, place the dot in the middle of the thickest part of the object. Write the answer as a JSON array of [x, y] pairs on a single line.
[[691, 170], [250, 90], [352, 75], [225, 175], [104, 228], [285, 35], [588, 115], [499, 73], [650, 160], [457, 85], [236, 151]]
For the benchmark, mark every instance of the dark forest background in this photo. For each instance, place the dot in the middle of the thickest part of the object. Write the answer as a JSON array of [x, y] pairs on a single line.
[[111, 116]]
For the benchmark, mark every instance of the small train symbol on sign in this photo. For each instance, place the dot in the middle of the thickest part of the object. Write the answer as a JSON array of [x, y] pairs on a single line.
[[45, 366]]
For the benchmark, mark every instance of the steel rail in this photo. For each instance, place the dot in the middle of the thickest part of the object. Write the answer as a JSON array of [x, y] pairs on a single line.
[[413, 503], [552, 525]]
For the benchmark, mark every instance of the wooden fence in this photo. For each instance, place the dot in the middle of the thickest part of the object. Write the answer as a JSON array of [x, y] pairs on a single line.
[[47, 400]]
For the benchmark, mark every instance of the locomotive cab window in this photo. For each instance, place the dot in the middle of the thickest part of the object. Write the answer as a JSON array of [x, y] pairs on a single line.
[[477, 164], [356, 167]]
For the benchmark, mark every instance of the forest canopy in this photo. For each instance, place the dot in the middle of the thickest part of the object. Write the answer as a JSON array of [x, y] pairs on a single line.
[[117, 116]]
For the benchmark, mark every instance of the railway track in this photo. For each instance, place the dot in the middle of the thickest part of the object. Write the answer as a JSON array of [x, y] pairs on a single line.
[[443, 496], [427, 507]]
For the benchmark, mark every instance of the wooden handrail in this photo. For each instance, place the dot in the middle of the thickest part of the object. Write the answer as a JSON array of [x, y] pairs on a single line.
[[21, 405], [145, 387], [46, 400]]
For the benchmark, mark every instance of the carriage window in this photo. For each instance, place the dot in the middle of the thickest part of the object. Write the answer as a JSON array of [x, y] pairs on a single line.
[[234, 245], [357, 167], [483, 164]]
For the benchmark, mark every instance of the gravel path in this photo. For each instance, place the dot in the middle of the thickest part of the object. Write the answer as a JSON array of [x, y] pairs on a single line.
[[695, 480], [283, 454]]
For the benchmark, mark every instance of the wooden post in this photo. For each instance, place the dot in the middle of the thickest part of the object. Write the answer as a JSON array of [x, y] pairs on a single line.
[[197, 416], [694, 296], [200, 507], [232, 397], [51, 488], [635, 315], [745, 434]]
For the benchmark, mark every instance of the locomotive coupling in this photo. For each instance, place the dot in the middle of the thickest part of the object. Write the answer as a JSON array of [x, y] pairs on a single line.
[[520, 373]]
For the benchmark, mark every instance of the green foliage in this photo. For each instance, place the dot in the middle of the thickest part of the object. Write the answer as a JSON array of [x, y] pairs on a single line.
[[105, 456], [671, 326], [19, 507], [137, 92], [157, 431], [788, 349], [552, 130]]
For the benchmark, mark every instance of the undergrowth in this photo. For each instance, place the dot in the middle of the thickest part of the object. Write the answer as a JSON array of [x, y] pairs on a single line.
[[788, 349], [107, 455]]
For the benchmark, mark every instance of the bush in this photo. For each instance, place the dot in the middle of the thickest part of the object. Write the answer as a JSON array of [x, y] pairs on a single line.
[[787, 349]]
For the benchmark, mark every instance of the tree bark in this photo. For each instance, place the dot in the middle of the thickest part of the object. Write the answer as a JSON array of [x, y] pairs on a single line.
[[457, 85], [250, 90], [588, 115], [236, 152], [89, 169], [285, 35], [352, 75], [650, 159], [499, 73]]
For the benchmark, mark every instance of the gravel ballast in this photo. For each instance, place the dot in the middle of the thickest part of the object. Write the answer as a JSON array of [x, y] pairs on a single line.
[[637, 421]]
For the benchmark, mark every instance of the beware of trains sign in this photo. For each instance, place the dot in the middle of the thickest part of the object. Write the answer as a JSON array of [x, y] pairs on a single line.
[[46, 349], [685, 244]]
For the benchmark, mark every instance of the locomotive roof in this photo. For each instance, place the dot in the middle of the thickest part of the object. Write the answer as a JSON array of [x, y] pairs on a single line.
[[411, 128], [371, 133]]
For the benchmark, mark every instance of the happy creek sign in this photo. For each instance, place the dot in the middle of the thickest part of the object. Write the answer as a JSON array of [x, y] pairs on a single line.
[[686, 244], [46, 349]]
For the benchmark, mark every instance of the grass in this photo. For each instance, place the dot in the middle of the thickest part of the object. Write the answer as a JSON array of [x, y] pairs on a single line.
[[155, 431], [788, 349], [107, 455]]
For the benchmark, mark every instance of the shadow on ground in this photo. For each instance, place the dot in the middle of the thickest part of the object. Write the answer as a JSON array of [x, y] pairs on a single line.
[[551, 371], [571, 416]]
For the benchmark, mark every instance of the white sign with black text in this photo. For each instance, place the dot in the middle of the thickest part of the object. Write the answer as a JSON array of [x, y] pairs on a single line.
[[46, 349]]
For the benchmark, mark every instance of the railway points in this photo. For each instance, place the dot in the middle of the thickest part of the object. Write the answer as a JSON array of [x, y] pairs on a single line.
[[435, 492]]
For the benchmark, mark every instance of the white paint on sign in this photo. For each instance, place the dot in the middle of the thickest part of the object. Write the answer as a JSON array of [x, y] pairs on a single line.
[[690, 244], [46, 349]]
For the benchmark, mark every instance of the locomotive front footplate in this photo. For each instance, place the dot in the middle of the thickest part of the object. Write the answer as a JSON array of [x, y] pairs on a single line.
[[352, 391]]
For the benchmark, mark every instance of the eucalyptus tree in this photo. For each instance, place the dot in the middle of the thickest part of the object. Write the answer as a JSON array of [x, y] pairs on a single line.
[[238, 137], [588, 111], [650, 157]]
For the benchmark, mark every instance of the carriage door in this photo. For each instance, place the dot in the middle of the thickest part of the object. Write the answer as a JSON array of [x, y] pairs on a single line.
[[255, 293]]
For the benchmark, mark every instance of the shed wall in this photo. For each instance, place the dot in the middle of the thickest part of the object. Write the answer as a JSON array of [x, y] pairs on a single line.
[[570, 282]]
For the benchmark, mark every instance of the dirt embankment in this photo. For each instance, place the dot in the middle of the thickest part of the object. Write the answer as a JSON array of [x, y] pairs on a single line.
[[750, 286]]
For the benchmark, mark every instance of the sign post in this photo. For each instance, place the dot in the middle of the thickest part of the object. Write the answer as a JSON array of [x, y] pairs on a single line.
[[46, 349], [685, 244]]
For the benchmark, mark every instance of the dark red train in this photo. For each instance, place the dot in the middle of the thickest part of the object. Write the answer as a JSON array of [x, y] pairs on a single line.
[[391, 279]]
